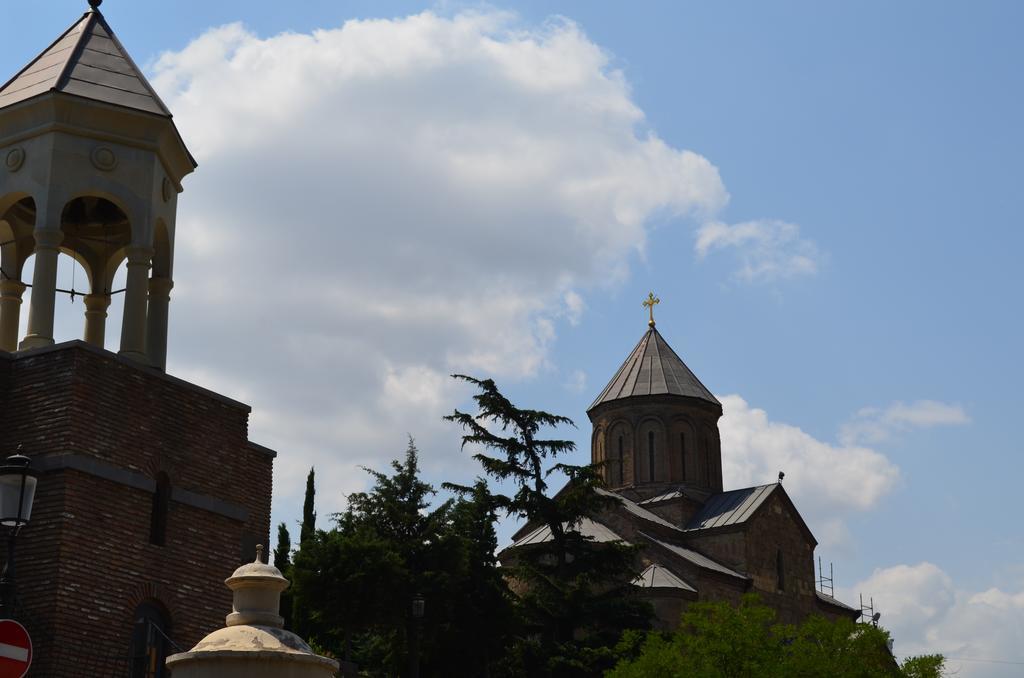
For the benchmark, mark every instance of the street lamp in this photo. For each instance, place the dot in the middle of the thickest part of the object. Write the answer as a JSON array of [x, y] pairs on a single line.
[[419, 607], [17, 490]]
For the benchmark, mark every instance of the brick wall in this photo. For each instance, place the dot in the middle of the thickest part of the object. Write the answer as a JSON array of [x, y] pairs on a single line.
[[86, 561]]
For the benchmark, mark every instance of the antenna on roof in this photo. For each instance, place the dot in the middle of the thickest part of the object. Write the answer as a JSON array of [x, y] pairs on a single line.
[[867, 612]]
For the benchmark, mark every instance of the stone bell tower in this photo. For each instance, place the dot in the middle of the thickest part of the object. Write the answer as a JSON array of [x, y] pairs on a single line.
[[656, 425], [149, 488], [92, 168]]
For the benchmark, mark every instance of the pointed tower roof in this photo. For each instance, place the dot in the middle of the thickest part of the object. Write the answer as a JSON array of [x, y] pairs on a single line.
[[87, 61], [653, 368]]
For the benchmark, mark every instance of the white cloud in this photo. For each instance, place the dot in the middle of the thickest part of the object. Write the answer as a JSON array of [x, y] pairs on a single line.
[[577, 381], [827, 482], [383, 203], [928, 613], [873, 425], [766, 249]]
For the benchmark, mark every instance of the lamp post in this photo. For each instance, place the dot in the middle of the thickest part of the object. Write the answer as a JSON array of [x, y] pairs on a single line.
[[17, 490], [419, 607]]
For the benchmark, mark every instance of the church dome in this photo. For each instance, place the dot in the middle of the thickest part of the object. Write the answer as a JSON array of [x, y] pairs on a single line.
[[652, 369]]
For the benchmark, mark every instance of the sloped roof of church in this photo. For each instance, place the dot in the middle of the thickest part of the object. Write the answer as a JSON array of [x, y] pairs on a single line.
[[637, 510], [657, 577], [730, 508], [653, 368], [88, 61], [698, 559], [588, 528]]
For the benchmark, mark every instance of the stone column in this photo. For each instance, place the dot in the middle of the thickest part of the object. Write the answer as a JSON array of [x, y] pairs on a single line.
[[96, 306], [10, 313], [156, 328], [133, 327], [44, 289]]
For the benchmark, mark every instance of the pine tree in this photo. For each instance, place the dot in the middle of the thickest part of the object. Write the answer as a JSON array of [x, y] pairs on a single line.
[[575, 595]]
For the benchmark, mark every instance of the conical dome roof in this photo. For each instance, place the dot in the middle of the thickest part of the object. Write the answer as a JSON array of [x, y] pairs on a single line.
[[88, 61], [653, 368]]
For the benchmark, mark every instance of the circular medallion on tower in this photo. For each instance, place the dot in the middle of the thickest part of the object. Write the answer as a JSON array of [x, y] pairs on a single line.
[[103, 159], [15, 159]]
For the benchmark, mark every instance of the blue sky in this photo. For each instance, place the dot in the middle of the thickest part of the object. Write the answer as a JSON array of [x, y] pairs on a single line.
[[872, 148]]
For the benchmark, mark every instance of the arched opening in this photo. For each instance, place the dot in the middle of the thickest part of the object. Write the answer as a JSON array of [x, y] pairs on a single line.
[[652, 466], [94, 230], [69, 309], [161, 507], [17, 221], [150, 640]]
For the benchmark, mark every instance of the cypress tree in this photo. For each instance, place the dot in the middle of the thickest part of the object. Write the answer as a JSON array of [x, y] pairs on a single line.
[[308, 509]]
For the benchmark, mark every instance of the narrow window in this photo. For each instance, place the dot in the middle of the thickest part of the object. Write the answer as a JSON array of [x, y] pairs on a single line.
[[622, 480], [650, 454], [707, 465], [158, 514], [682, 454], [779, 570]]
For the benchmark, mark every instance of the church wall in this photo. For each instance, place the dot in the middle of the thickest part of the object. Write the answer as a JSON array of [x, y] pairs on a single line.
[[772, 530], [728, 548], [101, 428]]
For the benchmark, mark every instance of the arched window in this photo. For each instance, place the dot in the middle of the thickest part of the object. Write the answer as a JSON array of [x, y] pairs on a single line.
[[650, 455], [707, 464], [622, 466], [158, 513], [780, 570], [149, 642], [682, 454]]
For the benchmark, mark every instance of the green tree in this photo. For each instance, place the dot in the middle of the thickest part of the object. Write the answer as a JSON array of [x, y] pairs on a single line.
[[575, 596], [283, 550], [924, 666], [308, 527], [283, 562], [719, 640], [356, 582]]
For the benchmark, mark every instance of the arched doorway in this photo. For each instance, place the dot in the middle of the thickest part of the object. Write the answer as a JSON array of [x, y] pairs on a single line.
[[150, 641]]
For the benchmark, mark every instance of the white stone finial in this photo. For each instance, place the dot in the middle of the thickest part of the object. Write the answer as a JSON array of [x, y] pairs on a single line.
[[259, 553]]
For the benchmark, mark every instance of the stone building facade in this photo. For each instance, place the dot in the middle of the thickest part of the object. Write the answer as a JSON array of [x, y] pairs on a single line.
[[655, 435], [150, 489]]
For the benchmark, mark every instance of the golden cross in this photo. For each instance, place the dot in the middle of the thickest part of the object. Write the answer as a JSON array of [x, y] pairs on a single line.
[[649, 303]]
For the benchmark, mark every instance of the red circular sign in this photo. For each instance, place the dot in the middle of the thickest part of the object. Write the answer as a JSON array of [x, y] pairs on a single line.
[[15, 649]]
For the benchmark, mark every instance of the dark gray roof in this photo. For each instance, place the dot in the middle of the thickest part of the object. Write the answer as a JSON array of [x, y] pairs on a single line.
[[653, 368], [824, 597], [668, 495], [698, 559], [88, 61], [659, 577], [637, 510], [730, 508], [587, 527]]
